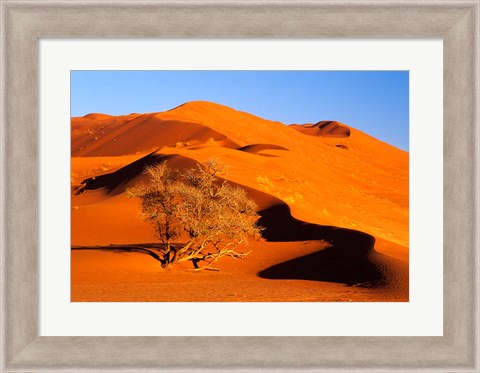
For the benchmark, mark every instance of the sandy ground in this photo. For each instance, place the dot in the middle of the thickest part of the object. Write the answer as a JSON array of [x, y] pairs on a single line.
[[113, 275]]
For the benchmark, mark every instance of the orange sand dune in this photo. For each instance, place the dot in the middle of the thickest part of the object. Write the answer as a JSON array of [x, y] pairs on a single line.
[[335, 207], [325, 128], [142, 133]]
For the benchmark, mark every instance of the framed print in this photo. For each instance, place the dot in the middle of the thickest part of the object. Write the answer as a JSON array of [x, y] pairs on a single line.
[[70, 298], [117, 256], [239, 245]]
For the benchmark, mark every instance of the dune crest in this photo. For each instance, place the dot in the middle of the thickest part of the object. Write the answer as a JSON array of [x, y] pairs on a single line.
[[325, 128], [97, 116]]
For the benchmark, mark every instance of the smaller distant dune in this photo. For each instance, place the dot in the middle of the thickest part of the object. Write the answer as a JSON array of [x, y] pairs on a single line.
[[324, 128], [97, 116]]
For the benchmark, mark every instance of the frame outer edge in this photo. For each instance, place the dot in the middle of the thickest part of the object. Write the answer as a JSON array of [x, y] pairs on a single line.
[[265, 18], [21, 156], [3, 192], [24, 345], [460, 179], [476, 189]]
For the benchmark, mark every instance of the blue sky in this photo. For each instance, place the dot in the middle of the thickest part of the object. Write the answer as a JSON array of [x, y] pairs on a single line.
[[375, 102]]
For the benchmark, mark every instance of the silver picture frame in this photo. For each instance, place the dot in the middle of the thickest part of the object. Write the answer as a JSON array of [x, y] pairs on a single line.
[[23, 23]]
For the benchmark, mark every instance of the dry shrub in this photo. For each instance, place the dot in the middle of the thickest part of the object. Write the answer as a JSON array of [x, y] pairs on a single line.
[[216, 216]]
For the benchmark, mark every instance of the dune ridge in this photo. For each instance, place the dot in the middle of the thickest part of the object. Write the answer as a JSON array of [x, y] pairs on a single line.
[[324, 128]]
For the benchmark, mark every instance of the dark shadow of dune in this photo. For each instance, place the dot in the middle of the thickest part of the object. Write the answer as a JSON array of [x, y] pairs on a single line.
[[351, 258], [252, 149], [255, 148], [118, 179]]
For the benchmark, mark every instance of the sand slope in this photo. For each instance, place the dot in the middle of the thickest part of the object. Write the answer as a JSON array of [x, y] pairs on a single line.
[[334, 201]]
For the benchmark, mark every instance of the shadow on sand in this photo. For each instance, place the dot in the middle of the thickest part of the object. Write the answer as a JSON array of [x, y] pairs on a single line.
[[116, 181], [350, 259], [151, 249]]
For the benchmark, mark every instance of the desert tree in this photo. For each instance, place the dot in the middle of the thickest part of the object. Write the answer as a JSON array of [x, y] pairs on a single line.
[[158, 201], [214, 216]]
